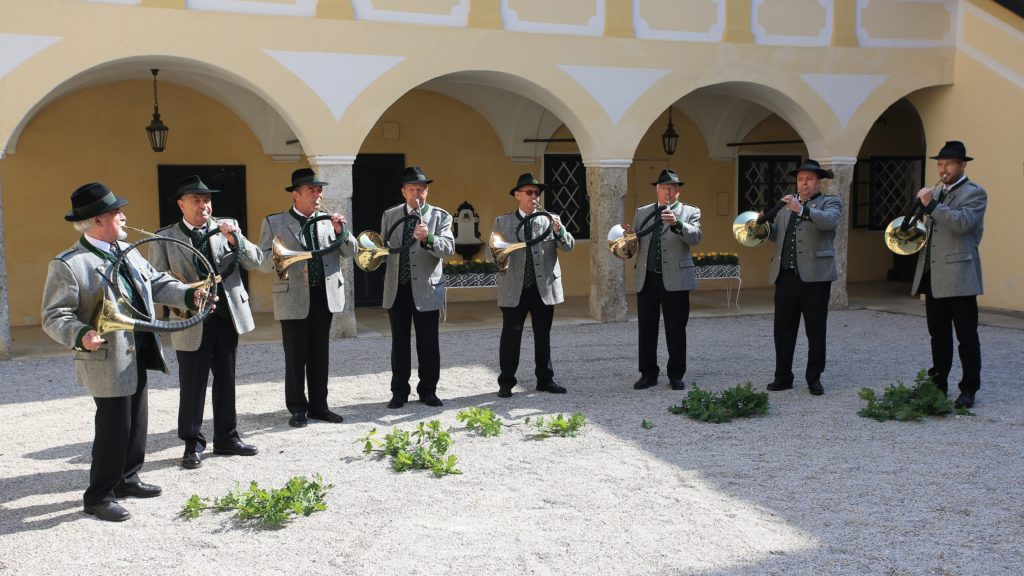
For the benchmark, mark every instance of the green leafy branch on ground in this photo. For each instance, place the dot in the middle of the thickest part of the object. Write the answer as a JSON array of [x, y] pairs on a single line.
[[915, 403], [558, 425], [737, 402], [483, 420], [300, 496], [425, 448]]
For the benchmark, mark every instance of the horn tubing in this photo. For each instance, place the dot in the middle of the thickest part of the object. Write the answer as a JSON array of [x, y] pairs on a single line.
[[770, 215], [646, 229], [418, 216], [232, 264], [146, 319], [549, 231], [916, 211], [330, 247]]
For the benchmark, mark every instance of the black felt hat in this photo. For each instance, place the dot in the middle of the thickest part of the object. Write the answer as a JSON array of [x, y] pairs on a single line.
[[668, 177], [953, 150], [303, 176], [527, 180], [91, 200], [811, 166], [415, 175], [192, 185]]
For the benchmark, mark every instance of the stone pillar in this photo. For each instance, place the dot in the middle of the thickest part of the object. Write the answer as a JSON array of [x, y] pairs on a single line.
[[337, 172], [5, 317], [606, 187], [485, 14], [841, 186]]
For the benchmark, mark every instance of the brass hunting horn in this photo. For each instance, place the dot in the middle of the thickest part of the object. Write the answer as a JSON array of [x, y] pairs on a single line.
[[285, 257], [501, 249], [625, 244], [372, 251], [752, 229], [907, 235], [109, 316]]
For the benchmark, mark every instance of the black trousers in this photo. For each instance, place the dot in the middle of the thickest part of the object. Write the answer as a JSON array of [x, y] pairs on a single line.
[[512, 321], [119, 444], [795, 298], [217, 353], [307, 355], [945, 315], [403, 315], [652, 302]]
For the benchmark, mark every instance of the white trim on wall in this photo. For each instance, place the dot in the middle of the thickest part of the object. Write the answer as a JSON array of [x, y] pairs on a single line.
[[644, 30], [337, 78], [305, 8], [864, 39], [458, 17], [824, 37], [616, 89], [593, 27], [17, 48], [976, 53]]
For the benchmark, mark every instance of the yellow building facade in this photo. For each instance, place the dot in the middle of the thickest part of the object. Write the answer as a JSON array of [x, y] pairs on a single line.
[[478, 91]]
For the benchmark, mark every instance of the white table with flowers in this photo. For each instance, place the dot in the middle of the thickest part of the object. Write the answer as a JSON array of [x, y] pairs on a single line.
[[471, 274], [720, 266]]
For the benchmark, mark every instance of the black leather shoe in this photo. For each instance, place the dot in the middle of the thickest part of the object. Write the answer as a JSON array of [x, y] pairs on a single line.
[[775, 386], [431, 400], [191, 460], [964, 400], [677, 383], [236, 448], [504, 392], [109, 511], [397, 402], [327, 416], [550, 387], [298, 420], [645, 382], [815, 388], [137, 490]]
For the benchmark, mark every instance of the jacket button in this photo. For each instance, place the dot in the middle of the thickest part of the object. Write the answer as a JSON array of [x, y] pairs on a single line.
[[131, 349]]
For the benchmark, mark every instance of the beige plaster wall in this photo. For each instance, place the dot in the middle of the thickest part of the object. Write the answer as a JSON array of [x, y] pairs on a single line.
[[984, 112]]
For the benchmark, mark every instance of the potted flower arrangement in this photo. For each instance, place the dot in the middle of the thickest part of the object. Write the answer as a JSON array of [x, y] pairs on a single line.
[[717, 264], [470, 273]]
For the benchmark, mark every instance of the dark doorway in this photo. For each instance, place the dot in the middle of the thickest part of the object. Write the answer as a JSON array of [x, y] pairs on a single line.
[[376, 186], [228, 203]]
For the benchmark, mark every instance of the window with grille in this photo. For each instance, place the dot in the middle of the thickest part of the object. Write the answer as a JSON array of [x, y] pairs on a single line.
[[884, 187], [566, 193], [763, 180]]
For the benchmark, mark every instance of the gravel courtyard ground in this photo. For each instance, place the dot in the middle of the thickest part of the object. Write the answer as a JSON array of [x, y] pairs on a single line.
[[809, 489]]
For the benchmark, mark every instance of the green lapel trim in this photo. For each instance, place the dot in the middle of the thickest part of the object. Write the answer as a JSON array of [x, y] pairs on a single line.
[[425, 210], [88, 246]]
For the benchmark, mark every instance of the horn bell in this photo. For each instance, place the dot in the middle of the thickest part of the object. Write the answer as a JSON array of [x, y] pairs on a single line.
[[109, 318], [624, 245], [285, 257], [905, 242], [370, 251], [501, 249], [748, 232]]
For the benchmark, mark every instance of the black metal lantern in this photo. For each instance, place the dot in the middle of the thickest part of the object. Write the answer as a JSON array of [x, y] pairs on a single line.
[[670, 138], [157, 130]]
